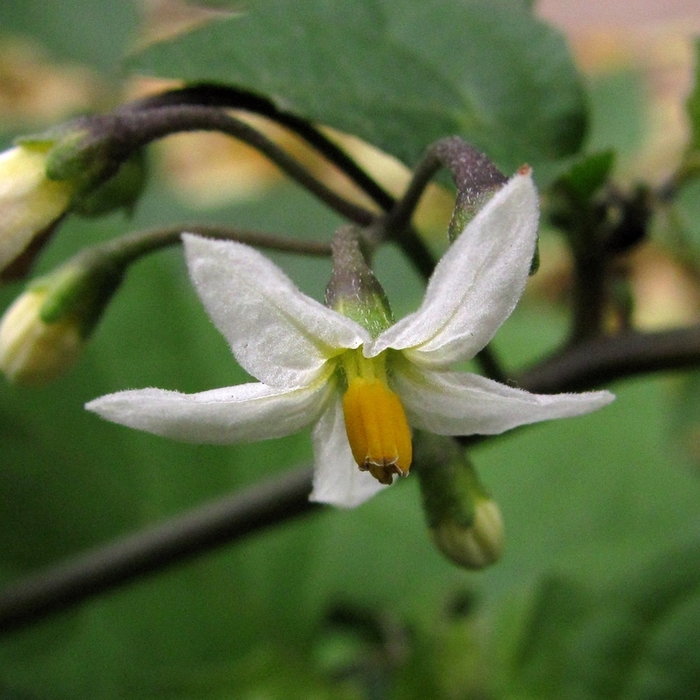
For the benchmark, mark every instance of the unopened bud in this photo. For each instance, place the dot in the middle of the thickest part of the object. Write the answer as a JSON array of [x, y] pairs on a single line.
[[473, 546], [353, 290], [464, 521], [33, 352], [30, 202], [44, 330]]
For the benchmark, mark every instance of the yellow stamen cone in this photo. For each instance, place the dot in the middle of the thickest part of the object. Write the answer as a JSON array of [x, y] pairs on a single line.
[[377, 429]]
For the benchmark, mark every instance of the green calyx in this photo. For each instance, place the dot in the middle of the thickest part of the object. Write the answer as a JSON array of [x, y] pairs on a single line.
[[80, 289], [353, 290], [449, 484], [88, 153], [464, 521]]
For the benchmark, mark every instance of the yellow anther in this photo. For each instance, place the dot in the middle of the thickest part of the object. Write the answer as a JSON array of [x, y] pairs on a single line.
[[378, 432]]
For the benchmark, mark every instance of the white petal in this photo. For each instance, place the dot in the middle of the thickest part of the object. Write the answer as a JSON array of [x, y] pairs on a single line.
[[458, 403], [277, 334], [476, 284], [221, 416], [337, 478]]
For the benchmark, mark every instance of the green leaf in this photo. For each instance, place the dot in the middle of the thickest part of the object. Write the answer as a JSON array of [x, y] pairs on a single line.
[[684, 222], [515, 71], [330, 61], [587, 175], [692, 105], [631, 641], [398, 74], [95, 33]]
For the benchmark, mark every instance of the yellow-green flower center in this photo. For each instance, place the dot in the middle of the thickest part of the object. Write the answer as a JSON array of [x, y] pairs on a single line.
[[375, 420]]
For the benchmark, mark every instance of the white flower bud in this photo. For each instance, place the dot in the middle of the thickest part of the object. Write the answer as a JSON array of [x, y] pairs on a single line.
[[33, 352], [29, 201]]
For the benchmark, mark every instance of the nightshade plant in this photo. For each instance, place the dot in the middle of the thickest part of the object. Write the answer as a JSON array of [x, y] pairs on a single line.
[[382, 396]]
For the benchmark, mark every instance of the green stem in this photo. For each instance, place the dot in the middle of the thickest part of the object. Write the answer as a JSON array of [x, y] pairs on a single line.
[[129, 248]]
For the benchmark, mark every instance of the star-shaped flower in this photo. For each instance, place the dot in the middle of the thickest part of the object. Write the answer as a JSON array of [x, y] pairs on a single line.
[[318, 367]]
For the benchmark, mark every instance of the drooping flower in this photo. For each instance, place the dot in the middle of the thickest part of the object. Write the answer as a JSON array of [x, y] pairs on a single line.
[[29, 201], [361, 393]]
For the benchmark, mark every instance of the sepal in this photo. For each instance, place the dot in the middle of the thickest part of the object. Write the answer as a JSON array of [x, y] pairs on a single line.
[[353, 290]]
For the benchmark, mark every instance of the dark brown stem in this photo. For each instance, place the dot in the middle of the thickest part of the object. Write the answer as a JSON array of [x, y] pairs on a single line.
[[134, 245], [223, 96], [588, 304], [134, 129], [154, 549], [598, 361]]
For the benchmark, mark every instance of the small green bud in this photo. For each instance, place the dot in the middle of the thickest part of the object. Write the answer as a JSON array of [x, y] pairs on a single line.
[[90, 153], [33, 352], [353, 290], [43, 332], [120, 191], [464, 521], [475, 546]]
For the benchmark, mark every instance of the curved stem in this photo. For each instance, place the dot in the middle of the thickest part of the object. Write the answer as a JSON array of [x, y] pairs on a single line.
[[221, 96], [212, 95], [133, 129], [133, 245], [473, 173]]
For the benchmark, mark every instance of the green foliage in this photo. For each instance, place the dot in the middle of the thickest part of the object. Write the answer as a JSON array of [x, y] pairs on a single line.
[[574, 610], [95, 33], [397, 73], [693, 104], [587, 175], [626, 641]]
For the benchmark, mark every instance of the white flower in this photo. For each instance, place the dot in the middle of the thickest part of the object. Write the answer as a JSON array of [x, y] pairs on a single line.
[[29, 201], [318, 367]]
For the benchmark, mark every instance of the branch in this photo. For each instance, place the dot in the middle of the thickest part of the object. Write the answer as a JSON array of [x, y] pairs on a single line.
[[196, 532], [133, 129], [134, 245], [223, 96], [598, 361]]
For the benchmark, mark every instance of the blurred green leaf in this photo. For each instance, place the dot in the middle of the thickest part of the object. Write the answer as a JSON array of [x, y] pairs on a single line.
[[587, 175], [514, 70], [631, 641], [619, 115], [683, 233], [94, 33], [398, 74], [693, 104]]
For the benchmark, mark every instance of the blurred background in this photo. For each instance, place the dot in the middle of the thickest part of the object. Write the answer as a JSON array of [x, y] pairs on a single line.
[[354, 604]]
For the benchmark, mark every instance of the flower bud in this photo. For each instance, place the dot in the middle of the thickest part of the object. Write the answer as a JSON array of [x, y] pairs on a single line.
[[33, 352], [44, 330], [465, 522], [80, 165], [473, 546], [29, 201]]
